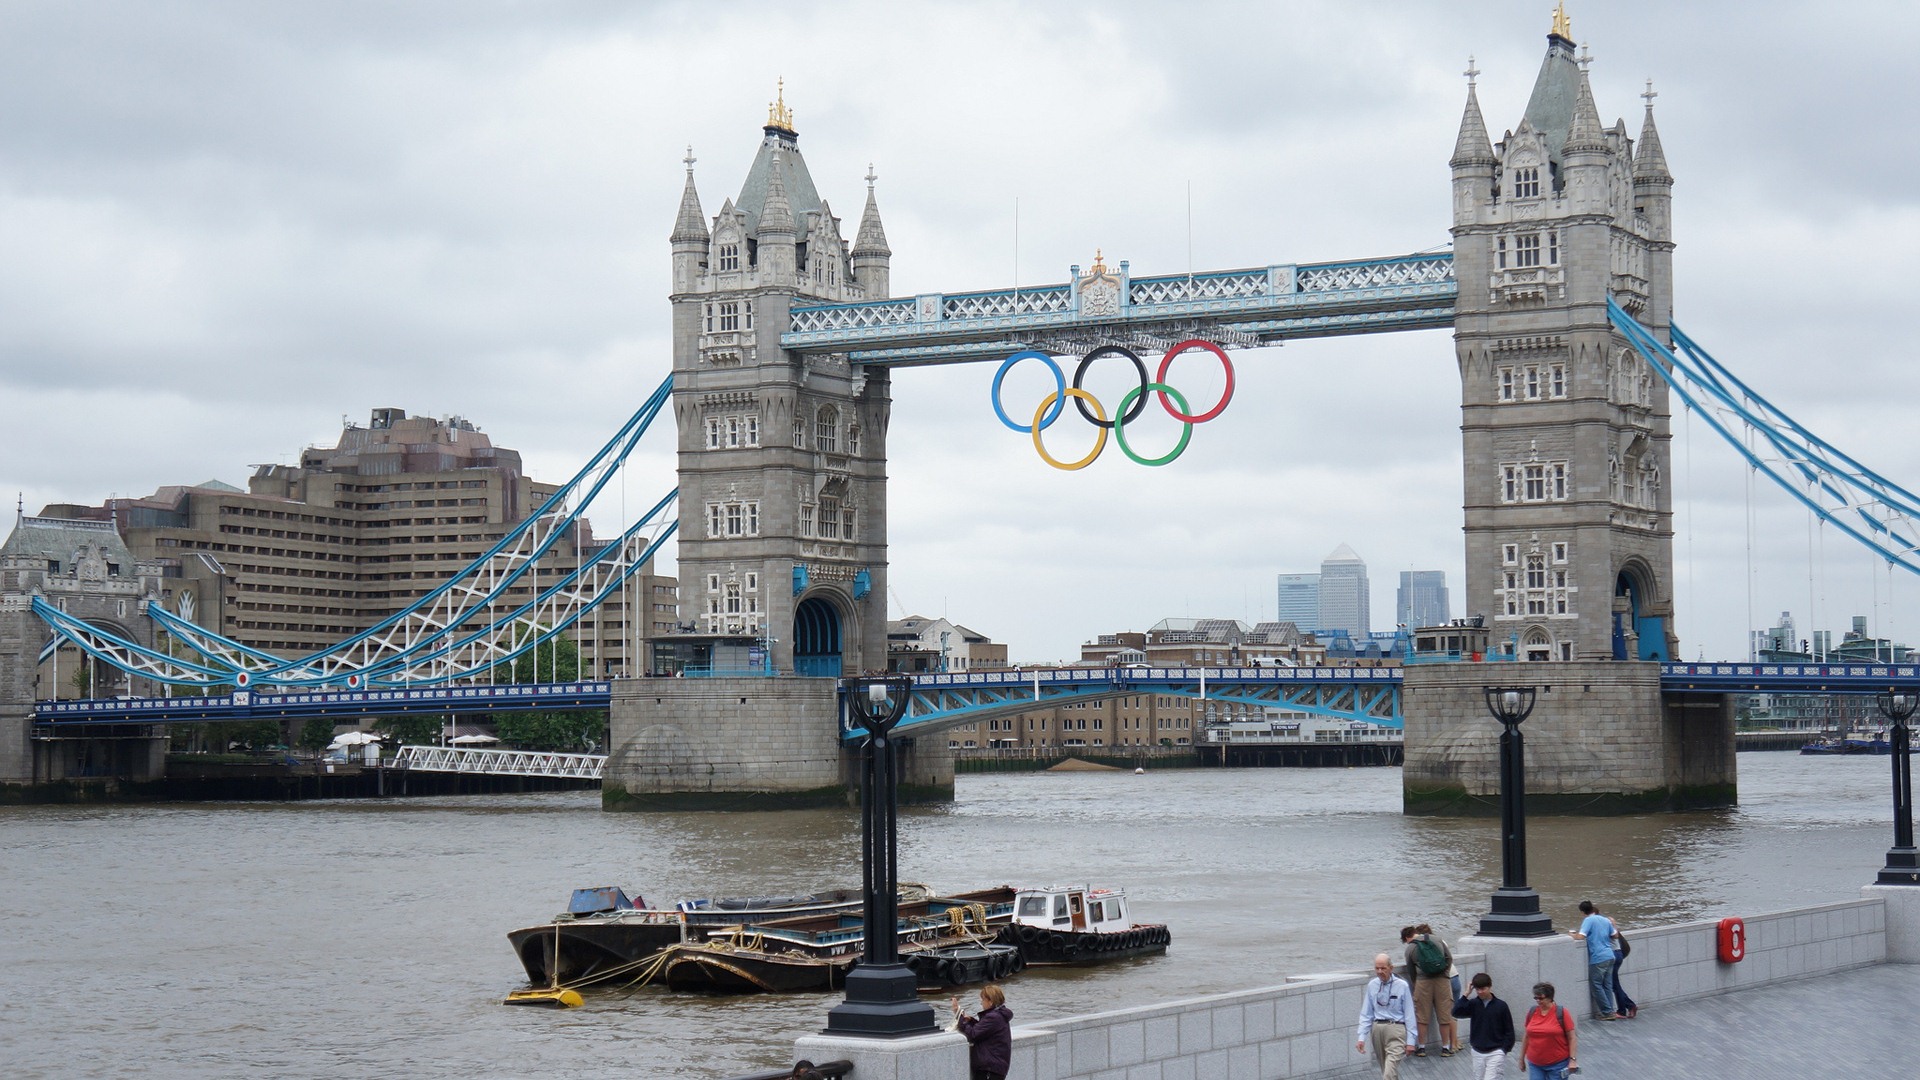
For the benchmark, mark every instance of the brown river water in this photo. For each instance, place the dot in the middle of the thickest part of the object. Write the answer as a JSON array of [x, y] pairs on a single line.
[[368, 938]]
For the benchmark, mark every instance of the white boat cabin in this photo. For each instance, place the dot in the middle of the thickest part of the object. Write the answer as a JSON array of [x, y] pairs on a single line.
[[1073, 907]]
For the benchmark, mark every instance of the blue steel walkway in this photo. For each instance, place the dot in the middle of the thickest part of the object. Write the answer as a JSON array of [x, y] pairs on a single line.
[[1855, 1023]]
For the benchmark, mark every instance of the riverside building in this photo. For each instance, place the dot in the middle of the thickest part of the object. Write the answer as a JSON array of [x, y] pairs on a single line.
[[319, 551]]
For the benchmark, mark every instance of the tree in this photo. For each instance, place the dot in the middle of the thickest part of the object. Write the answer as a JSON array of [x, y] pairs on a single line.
[[411, 730], [565, 730], [315, 734]]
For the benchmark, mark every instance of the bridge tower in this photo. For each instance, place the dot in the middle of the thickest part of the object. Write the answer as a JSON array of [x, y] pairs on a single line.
[[1566, 432], [783, 511], [782, 546], [86, 570]]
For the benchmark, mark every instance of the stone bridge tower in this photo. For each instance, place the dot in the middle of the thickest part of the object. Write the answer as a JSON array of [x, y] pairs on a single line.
[[1566, 432], [782, 545], [84, 569], [783, 511]]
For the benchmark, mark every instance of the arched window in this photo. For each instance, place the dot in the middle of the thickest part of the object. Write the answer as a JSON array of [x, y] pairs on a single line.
[[826, 430]]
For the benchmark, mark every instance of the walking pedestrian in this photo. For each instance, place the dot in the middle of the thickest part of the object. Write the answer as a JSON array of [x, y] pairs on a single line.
[[1549, 1046], [1489, 1028], [990, 1034], [1387, 1022], [1428, 961], [1597, 931]]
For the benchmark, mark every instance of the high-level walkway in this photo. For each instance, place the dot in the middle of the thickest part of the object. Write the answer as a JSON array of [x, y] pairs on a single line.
[[1854, 1023]]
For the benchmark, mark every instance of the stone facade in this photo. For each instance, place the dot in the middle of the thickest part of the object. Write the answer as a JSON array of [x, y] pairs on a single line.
[[84, 569], [1569, 530], [1600, 740], [745, 744], [782, 457]]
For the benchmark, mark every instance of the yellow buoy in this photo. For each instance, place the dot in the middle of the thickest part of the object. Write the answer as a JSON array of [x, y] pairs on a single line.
[[551, 998]]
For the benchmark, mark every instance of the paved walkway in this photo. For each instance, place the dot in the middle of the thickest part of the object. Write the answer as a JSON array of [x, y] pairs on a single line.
[[1856, 1023]]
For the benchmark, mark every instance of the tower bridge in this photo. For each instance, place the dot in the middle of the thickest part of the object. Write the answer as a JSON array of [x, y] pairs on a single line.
[[785, 338]]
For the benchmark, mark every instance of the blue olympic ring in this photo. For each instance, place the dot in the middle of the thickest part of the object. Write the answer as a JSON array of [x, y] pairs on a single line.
[[1059, 390]]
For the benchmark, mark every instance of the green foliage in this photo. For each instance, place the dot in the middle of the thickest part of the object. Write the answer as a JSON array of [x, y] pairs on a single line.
[[538, 663], [576, 731], [315, 734], [83, 679], [412, 730], [251, 734]]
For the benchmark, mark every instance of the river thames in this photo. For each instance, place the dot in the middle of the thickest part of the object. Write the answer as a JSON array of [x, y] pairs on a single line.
[[368, 938]]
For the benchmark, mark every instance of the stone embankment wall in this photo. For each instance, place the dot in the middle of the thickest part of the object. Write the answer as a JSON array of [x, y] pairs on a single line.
[[1305, 1027]]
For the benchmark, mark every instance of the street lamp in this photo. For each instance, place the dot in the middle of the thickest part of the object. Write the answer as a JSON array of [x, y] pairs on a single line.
[[1516, 907], [883, 1000], [1903, 862]]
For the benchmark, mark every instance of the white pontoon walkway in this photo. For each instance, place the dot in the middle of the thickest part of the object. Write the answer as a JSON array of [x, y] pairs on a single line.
[[459, 759]]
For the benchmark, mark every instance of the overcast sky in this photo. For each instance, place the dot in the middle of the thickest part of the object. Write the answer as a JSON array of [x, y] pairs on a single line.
[[226, 226]]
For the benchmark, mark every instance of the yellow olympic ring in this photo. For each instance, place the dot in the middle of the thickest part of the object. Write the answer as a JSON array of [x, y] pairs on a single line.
[[1099, 443]]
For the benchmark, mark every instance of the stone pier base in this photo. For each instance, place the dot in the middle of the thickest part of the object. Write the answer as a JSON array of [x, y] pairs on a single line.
[[1602, 740], [746, 744]]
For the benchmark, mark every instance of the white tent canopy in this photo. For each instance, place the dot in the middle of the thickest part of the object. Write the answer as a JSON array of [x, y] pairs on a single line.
[[353, 738]]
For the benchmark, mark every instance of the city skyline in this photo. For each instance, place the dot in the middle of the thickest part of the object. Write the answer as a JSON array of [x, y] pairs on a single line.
[[218, 256]]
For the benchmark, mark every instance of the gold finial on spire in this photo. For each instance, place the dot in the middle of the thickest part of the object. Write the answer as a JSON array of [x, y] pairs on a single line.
[[778, 115], [1562, 26], [1099, 265]]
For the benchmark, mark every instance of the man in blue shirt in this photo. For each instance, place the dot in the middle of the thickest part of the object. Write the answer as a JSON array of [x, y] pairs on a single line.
[[1597, 931], [1386, 1019]]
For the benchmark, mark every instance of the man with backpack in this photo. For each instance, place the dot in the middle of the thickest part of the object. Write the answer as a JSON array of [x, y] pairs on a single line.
[[1428, 961]]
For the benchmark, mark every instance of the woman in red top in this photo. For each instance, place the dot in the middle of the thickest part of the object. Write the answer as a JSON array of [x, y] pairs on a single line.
[[1548, 1046]]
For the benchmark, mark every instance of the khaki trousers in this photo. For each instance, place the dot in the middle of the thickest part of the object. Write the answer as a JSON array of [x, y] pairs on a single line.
[[1389, 1046], [1433, 1006]]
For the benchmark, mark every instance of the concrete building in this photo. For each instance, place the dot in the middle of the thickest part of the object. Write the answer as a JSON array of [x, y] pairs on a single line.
[[1300, 600], [919, 644], [1206, 643], [316, 552], [1422, 599], [1345, 602]]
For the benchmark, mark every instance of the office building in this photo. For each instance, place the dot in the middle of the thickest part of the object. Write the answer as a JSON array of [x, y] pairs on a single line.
[[1422, 600], [1300, 601], [1344, 600]]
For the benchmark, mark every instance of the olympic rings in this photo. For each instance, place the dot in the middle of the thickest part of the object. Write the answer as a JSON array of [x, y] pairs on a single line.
[[1099, 444], [1131, 403]]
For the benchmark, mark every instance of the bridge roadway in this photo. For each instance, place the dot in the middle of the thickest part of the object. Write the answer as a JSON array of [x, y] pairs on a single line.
[[1369, 694]]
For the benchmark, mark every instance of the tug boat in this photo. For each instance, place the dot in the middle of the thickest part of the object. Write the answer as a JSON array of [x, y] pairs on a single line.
[[604, 934], [1078, 925], [945, 941]]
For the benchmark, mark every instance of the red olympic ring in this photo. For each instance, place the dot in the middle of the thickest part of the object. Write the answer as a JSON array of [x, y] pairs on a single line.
[[1225, 365]]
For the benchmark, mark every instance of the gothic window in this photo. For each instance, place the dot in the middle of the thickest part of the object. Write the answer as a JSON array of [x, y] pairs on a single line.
[[1526, 183], [706, 310], [1557, 380], [846, 523], [1557, 476], [733, 431], [729, 317], [747, 310], [714, 429], [1536, 483], [829, 521], [1536, 572], [1560, 552], [1500, 253], [1526, 250], [1506, 384], [753, 429], [806, 519], [729, 257], [1510, 554], [733, 518], [853, 437], [1533, 383], [826, 430], [1553, 247], [1509, 484], [799, 432]]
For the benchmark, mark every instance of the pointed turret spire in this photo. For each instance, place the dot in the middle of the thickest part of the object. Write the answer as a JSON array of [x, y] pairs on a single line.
[[1649, 159], [1586, 131], [776, 215], [691, 225], [872, 238], [1473, 147]]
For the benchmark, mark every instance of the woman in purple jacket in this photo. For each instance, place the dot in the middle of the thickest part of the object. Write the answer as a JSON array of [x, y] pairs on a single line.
[[990, 1033]]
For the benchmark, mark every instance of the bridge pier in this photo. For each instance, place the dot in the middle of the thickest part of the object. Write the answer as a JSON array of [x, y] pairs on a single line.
[[1602, 739], [745, 744]]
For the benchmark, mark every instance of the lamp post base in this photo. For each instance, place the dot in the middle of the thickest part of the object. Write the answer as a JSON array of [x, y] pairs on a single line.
[[1516, 913], [1903, 867], [883, 1002]]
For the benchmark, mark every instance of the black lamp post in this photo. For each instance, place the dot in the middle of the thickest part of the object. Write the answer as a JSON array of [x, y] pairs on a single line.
[[883, 1001], [1903, 862], [1516, 907]]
